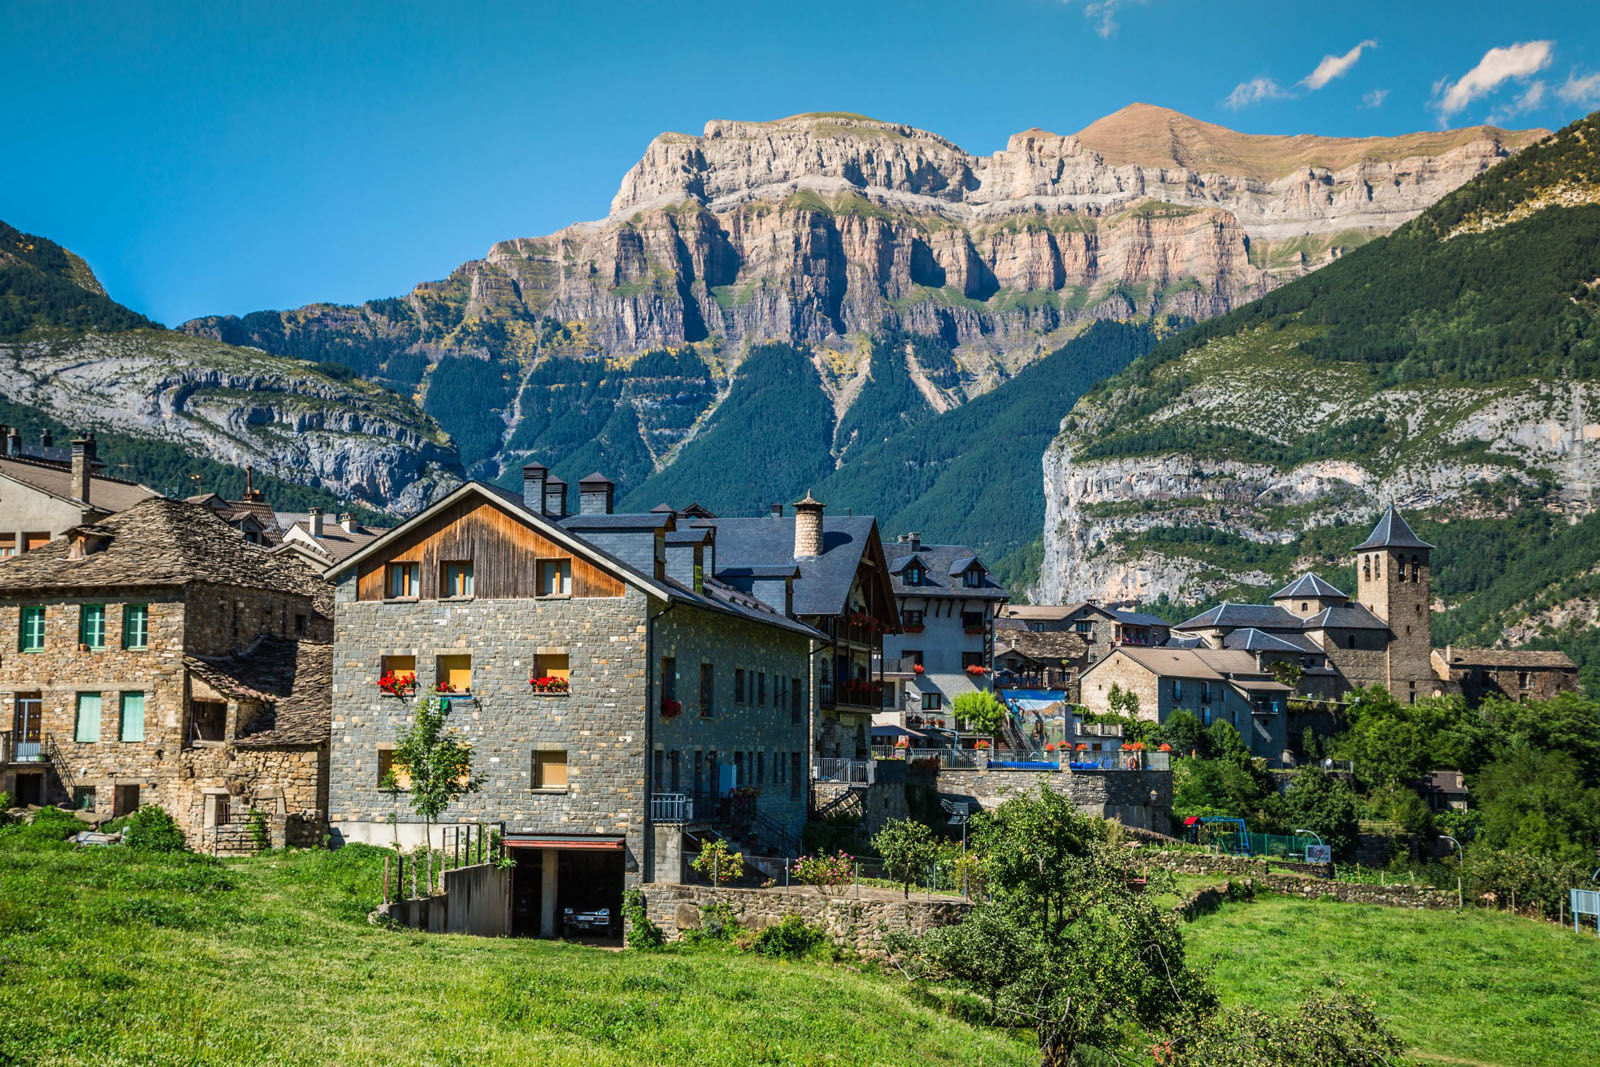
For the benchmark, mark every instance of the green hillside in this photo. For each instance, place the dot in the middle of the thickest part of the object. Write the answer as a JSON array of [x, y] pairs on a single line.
[[1452, 366], [43, 286]]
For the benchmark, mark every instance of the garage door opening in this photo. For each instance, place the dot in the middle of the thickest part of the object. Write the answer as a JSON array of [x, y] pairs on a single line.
[[568, 888]]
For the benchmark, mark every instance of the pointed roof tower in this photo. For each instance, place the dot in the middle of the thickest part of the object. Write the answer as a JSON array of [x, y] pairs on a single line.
[[1392, 531]]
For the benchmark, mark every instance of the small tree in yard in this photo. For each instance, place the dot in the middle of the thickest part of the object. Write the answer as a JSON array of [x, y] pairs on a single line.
[[437, 762], [980, 710], [908, 850], [1122, 702], [719, 863]]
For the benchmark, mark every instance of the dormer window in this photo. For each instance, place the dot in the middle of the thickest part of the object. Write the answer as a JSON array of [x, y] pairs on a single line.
[[914, 574], [973, 578]]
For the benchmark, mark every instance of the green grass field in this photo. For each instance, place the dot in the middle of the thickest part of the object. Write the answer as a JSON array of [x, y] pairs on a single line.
[[1477, 987], [107, 957]]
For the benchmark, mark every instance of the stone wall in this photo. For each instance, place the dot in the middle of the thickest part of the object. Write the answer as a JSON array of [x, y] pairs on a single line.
[[851, 922], [1254, 872], [1122, 795], [875, 805]]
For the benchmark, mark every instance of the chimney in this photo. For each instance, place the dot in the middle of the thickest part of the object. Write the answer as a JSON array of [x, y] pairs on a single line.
[[82, 465], [347, 522], [14, 442], [596, 493], [533, 478], [777, 511], [251, 493], [914, 539], [807, 527], [45, 439], [555, 498], [314, 521]]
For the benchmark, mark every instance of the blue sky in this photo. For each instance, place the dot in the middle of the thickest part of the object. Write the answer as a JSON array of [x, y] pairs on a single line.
[[228, 157]]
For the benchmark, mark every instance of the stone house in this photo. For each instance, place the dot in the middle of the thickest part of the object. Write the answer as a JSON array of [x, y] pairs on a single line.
[[841, 588], [161, 659], [1232, 685], [947, 603], [614, 693], [1099, 627], [1514, 674], [1040, 659], [46, 491]]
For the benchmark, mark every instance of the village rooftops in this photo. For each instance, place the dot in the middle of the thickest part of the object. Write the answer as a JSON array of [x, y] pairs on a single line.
[[55, 479], [1392, 531], [1507, 658], [1228, 615], [943, 570], [292, 680], [825, 579], [156, 542], [1253, 640], [1345, 617], [1137, 618]]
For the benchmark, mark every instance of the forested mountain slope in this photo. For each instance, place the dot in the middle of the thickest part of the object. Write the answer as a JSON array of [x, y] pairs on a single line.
[[1453, 367]]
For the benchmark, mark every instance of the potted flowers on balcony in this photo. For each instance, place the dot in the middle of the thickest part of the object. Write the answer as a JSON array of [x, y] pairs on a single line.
[[402, 684], [549, 684], [901, 745], [913, 627], [975, 630], [917, 668], [1164, 747], [981, 744], [977, 670], [670, 709]]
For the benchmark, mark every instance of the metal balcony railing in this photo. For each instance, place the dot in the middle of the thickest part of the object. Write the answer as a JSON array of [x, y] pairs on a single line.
[[844, 771], [671, 807]]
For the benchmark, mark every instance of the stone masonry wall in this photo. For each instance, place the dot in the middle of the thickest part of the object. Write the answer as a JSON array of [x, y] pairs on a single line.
[[1121, 795], [1254, 873], [853, 923]]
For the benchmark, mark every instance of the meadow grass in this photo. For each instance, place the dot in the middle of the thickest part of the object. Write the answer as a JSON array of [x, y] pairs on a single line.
[[109, 957], [1478, 987]]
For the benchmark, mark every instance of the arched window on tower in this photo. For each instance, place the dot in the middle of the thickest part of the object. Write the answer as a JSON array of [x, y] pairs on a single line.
[[1366, 568], [1377, 564], [1416, 569]]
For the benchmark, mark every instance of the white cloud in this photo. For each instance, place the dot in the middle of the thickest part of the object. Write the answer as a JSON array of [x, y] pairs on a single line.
[[1253, 92], [1332, 67], [1103, 13], [1498, 66], [1583, 90], [1375, 98], [1527, 100]]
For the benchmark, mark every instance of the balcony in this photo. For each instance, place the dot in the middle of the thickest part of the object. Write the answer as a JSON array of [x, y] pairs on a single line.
[[854, 694], [19, 751], [671, 807]]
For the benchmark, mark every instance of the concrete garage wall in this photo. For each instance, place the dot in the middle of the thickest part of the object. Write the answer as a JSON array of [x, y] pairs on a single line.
[[1121, 795], [476, 900]]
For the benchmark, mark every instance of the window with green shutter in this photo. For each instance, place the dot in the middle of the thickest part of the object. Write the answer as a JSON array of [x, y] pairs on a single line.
[[136, 626], [31, 637], [92, 625], [132, 717], [88, 731]]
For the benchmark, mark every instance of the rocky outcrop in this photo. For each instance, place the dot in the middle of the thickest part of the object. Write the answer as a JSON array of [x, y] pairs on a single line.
[[237, 406]]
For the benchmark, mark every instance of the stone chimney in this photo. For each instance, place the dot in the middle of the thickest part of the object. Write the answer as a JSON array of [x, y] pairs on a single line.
[[82, 466], [533, 479], [555, 498], [45, 439], [777, 511], [807, 527], [314, 522], [347, 522], [596, 494], [14, 442], [914, 539]]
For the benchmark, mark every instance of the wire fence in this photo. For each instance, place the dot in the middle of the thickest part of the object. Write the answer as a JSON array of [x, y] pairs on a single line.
[[940, 880]]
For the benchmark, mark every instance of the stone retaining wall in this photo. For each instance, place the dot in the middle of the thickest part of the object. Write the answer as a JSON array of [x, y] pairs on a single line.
[[851, 922], [1134, 798], [1254, 872]]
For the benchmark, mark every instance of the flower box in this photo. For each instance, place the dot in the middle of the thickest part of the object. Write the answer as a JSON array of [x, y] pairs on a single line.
[[977, 670], [917, 669], [913, 628], [550, 685], [398, 685]]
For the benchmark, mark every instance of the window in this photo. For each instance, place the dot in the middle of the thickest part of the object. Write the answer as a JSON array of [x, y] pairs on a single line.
[[92, 625], [453, 674], [1081, 626], [738, 685], [31, 541], [972, 620], [1303, 606], [301, 623], [403, 668], [911, 620], [8, 545], [796, 775], [761, 768], [1205, 692], [400, 581], [88, 727], [669, 678], [796, 701], [1350, 642], [555, 577], [1524, 680], [707, 678], [914, 574], [219, 809], [761, 688], [1177, 690], [83, 798], [457, 579], [132, 717], [31, 637], [136, 626], [973, 577], [553, 665], [971, 659], [780, 693], [550, 769], [207, 720], [932, 701], [392, 775], [739, 769]]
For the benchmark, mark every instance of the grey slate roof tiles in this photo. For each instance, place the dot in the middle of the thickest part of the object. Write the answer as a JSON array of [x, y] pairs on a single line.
[[943, 567], [293, 680], [1310, 587], [1392, 531]]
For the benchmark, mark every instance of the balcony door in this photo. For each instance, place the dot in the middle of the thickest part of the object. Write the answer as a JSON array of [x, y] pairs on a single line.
[[27, 719]]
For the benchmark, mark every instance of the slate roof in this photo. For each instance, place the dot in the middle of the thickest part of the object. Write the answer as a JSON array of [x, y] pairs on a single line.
[[943, 565], [825, 579], [1043, 645], [1052, 612], [233, 510], [336, 543], [1253, 640], [1531, 659], [648, 520], [106, 494], [1309, 587], [1345, 617], [1138, 618], [1392, 531], [293, 680], [1228, 614], [158, 542]]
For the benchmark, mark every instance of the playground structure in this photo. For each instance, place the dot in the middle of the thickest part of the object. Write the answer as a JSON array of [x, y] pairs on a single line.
[[1232, 837]]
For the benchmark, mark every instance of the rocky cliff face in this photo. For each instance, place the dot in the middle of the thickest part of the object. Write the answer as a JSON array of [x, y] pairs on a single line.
[[823, 228]]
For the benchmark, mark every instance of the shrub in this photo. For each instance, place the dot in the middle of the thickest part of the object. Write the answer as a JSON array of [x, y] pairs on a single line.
[[718, 925], [908, 851], [151, 829], [642, 933], [824, 872], [719, 863], [49, 827], [260, 836], [789, 940]]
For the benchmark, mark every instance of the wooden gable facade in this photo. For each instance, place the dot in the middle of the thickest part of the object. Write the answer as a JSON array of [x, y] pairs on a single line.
[[504, 550]]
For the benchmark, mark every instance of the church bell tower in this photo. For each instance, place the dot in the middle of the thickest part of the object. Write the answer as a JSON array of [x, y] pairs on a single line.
[[1394, 581]]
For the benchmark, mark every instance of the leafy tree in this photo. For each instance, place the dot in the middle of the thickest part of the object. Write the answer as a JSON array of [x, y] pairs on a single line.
[[719, 862], [908, 850], [981, 710], [1328, 1029], [1185, 734], [1325, 805], [1226, 742], [1393, 742], [1063, 945], [437, 761], [1538, 801], [1229, 787], [1565, 723], [1123, 703]]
